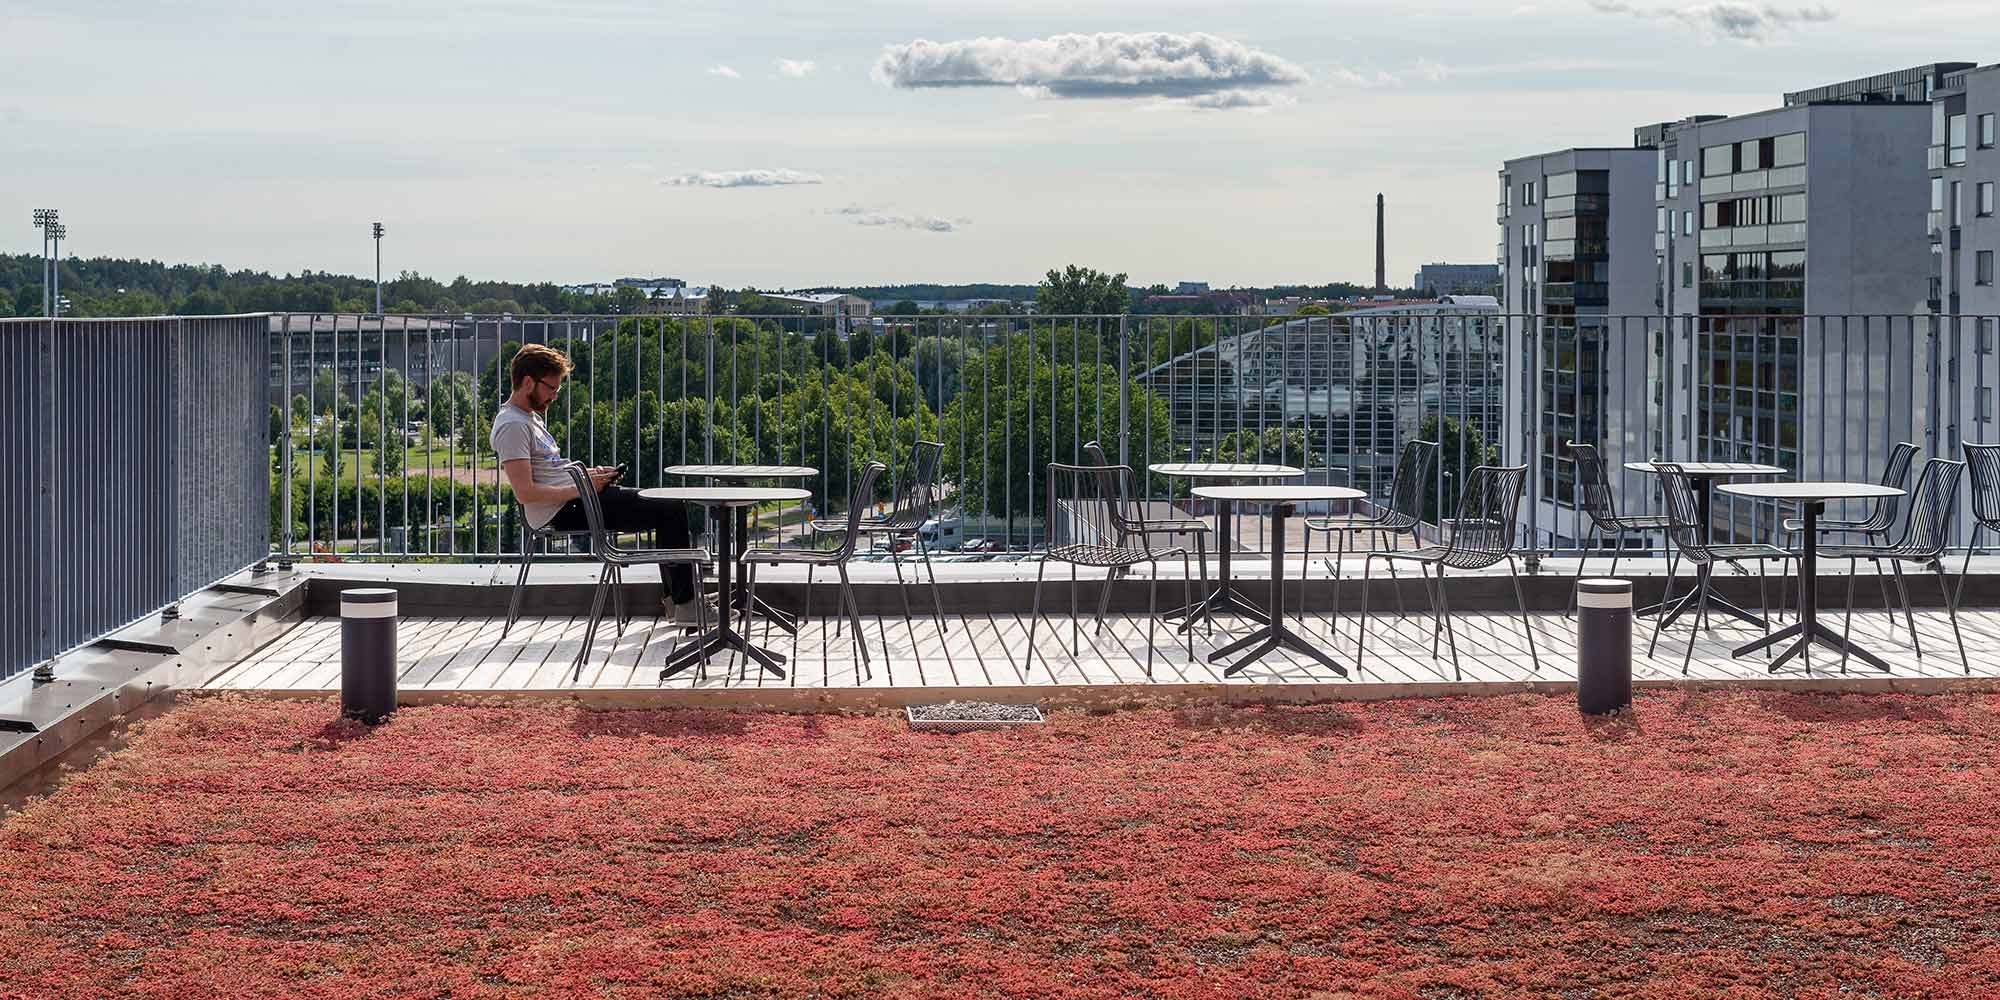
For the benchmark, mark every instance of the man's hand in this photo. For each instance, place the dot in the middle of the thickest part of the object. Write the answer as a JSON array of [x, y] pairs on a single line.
[[601, 476]]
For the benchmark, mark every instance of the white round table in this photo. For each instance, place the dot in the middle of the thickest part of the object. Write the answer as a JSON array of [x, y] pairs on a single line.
[[1281, 500], [1224, 595], [719, 500], [1811, 498], [745, 472], [1703, 476]]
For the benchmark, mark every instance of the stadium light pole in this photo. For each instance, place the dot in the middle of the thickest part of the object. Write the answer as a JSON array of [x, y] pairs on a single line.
[[44, 218], [56, 233], [378, 269]]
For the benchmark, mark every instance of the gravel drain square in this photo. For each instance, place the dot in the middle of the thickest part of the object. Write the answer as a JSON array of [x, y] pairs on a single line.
[[966, 716]]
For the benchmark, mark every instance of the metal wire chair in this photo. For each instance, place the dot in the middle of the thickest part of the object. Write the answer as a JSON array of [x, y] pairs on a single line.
[[1690, 538], [1482, 536], [604, 546], [1179, 523], [1984, 461], [1882, 514], [1087, 525], [1399, 517], [1594, 491], [917, 499], [1924, 537], [530, 538], [837, 557]]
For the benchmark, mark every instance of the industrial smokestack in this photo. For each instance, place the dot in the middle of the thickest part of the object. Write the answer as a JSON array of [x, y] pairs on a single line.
[[1381, 272]]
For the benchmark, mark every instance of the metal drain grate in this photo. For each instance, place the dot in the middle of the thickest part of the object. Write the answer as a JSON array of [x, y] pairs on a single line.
[[966, 716]]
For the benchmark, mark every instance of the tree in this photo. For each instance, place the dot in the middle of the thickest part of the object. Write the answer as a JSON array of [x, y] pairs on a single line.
[[1076, 291], [1312, 309], [1272, 446], [1462, 447]]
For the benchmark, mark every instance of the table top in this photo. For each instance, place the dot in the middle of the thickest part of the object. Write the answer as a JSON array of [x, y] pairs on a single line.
[[1225, 470], [1277, 494], [1809, 491], [1714, 470], [726, 496], [744, 471]]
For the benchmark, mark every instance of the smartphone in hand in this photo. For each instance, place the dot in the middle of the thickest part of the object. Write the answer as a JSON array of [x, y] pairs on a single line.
[[618, 473]]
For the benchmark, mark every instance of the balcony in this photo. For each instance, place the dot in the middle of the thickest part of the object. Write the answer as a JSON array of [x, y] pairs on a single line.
[[186, 527]]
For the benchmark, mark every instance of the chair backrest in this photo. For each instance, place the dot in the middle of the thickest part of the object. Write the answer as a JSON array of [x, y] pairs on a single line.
[[601, 542], [1896, 473], [1486, 512], [1931, 505], [858, 500], [1593, 485], [918, 485], [1084, 511], [1984, 460], [1413, 469], [1683, 510], [1124, 508]]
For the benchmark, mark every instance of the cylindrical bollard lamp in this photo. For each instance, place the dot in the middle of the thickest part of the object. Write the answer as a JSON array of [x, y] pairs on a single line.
[[1603, 646], [367, 654]]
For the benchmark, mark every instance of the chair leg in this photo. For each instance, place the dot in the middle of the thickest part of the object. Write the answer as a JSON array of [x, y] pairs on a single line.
[[1958, 593], [1582, 557], [1908, 616], [1201, 566], [1764, 600], [1035, 614], [1340, 556], [618, 596], [521, 585], [937, 597], [1430, 596], [1660, 619], [1888, 605], [1444, 616], [749, 630], [1847, 620], [1152, 614], [1361, 627], [805, 615], [1104, 598], [1527, 623], [1395, 586], [590, 629], [1075, 629], [854, 617], [1700, 616], [1951, 610]]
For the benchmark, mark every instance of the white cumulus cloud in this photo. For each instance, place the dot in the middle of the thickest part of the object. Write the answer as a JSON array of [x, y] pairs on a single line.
[[1739, 21], [921, 223], [743, 178], [795, 68], [724, 71], [1199, 69]]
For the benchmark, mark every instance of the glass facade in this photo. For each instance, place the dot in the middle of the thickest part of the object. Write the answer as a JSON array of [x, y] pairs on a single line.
[[1576, 290]]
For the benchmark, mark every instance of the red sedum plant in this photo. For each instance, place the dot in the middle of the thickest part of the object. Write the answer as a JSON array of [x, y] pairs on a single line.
[[1735, 845]]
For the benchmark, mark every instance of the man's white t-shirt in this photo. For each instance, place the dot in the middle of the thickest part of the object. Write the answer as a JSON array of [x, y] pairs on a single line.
[[518, 433]]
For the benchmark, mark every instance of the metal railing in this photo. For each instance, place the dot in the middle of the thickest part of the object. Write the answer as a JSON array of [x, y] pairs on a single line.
[[137, 471], [380, 423]]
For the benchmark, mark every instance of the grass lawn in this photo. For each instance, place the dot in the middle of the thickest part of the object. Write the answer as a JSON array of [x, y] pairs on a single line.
[[1736, 845]]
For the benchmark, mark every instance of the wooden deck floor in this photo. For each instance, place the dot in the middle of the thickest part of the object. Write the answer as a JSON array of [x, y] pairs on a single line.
[[469, 656]]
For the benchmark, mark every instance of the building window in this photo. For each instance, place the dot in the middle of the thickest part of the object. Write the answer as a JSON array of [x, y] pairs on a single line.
[[1985, 191], [1986, 131], [1687, 223], [1982, 268], [1687, 274], [1986, 334], [1956, 203], [1788, 150], [1985, 405], [1954, 141], [1528, 193], [1687, 171], [1660, 219]]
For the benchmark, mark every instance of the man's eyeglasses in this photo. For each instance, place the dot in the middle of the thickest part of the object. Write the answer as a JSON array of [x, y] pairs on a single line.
[[553, 389]]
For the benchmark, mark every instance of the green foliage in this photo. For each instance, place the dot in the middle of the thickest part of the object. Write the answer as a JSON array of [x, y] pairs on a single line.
[[1274, 446], [1462, 447], [1082, 291]]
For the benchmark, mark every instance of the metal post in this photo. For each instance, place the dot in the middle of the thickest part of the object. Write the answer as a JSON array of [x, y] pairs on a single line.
[[378, 272], [367, 654], [1603, 646]]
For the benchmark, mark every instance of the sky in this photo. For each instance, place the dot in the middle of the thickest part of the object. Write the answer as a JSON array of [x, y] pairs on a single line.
[[788, 144]]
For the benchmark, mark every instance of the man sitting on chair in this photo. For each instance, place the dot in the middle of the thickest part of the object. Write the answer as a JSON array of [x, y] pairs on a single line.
[[535, 470]]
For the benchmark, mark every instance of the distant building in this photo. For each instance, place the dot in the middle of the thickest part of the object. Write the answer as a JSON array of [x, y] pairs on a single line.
[[830, 304], [677, 301], [1191, 288], [1457, 279]]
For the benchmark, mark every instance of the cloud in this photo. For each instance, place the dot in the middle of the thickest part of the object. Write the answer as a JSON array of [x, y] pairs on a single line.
[[1368, 81], [1233, 100], [795, 68], [1198, 69], [724, 71], [743, 178], [852, 209], [921, 223], [1741, 22]]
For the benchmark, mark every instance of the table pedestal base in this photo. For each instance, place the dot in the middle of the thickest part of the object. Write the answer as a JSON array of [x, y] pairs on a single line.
[[1274, 635], [1807, 634], [1223, 598], [717, 640]]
